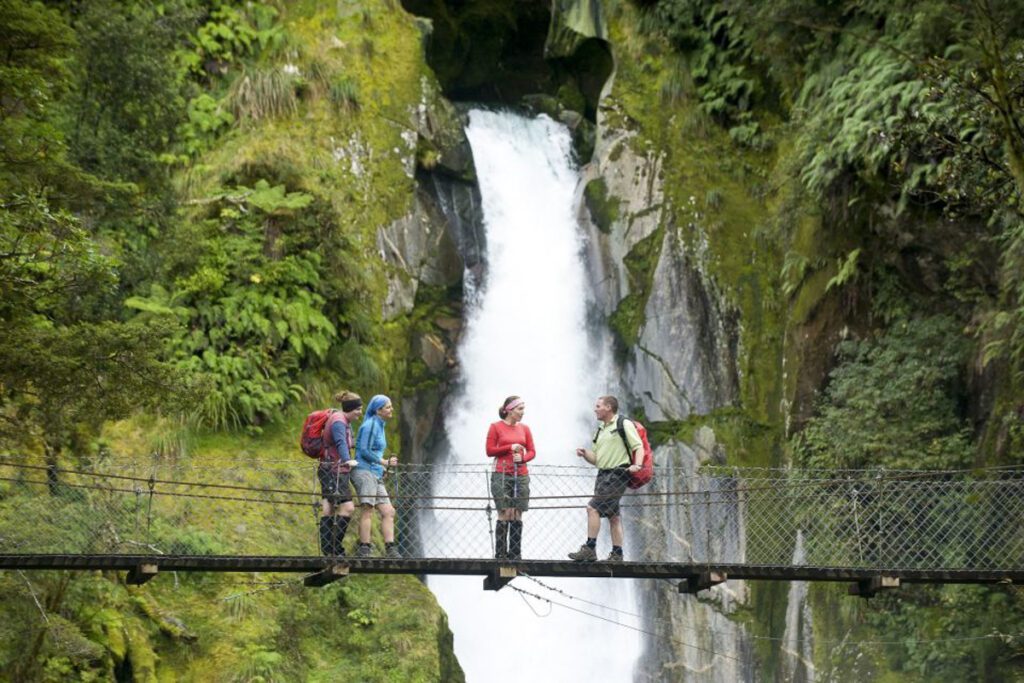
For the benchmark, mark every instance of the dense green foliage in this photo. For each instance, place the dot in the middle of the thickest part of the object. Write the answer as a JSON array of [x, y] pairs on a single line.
[[251, 295], [893, 402], [904, 112], [883, 141], [175, 250]]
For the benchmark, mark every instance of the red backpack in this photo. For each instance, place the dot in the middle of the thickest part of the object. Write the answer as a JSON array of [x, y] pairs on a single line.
[[646, 471], [313, 440]]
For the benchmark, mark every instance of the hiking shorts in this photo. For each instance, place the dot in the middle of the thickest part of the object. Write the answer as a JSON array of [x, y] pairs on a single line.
[[333, 484], [510, 491], [369, 488], [608, 489]]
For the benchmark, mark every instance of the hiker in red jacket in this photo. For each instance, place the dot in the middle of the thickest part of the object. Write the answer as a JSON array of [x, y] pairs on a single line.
[[510, 443], [337, 461]]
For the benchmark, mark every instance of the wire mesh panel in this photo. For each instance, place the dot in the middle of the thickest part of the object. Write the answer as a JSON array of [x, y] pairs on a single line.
[[859, 519]]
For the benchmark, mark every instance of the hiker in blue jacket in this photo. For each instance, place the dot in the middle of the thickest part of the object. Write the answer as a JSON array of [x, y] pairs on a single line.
[[368, 477]]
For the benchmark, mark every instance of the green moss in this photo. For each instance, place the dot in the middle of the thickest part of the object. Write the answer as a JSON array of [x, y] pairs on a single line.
[[718, 198], [628, 317], [747, 442], [604, 208]]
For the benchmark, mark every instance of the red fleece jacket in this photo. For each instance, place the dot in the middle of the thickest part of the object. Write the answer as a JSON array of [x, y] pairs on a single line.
[[500, 438]]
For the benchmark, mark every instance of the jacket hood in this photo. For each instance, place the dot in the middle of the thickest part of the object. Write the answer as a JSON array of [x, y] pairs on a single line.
[[376, 403]]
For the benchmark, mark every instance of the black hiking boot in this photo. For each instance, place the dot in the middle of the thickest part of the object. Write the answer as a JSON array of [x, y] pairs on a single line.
[[501, 540], [515, 540]]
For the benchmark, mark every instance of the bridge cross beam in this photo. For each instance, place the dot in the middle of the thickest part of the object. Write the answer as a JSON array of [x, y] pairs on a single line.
[[141, 573], [496, 580], [702, 581], [329, 574], [867, 588]]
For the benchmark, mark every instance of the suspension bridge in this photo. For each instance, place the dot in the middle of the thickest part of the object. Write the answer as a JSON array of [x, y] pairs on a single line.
[[698, 526]]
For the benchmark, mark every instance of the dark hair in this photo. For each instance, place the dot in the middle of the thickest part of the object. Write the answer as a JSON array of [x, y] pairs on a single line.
[[502, 413], [611, 402]]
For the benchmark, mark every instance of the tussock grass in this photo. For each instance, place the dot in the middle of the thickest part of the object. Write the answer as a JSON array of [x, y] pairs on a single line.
[[262, 93], [344, 94]]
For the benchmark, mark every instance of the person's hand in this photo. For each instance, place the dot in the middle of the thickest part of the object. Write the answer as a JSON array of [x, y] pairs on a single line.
[[352, 463], [634, 468], [518, 457], [581, 452]]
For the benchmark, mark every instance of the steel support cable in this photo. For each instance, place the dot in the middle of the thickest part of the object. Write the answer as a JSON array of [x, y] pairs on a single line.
[[171, 482], [731, 471], [317, 497], [665, 622], [716, 497], [711, 496], [177, 494], [619, 623]]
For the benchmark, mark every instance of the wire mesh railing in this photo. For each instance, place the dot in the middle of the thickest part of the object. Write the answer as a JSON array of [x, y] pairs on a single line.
[[883, 520]]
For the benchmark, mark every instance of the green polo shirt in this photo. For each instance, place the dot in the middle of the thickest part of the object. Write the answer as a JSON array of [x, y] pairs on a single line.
[[608, 446]]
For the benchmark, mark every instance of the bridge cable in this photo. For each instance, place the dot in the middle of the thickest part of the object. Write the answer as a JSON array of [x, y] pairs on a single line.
[[619, 623], [772, 638]]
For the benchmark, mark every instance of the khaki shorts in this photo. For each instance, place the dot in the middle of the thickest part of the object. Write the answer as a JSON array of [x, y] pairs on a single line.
[[369, 488], [510, 491], [608, 488]]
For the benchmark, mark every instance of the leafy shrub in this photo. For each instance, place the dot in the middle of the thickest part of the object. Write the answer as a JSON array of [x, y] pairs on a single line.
[[249, 303], [893, 401]]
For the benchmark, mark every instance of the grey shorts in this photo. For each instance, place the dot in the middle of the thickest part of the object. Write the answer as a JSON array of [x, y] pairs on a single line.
[[608, 488], [369, 488], [510, 491], [333, 484]]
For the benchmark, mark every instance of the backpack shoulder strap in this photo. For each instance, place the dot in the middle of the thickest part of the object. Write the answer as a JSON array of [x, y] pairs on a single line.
[[622, 432], [332, 415]]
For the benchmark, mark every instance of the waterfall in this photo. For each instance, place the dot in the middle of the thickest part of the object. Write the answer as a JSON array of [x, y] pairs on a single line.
[[527, 335], [797, 648]]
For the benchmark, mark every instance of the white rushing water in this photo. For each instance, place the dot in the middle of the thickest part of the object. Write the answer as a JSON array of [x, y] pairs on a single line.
[[527, 335]]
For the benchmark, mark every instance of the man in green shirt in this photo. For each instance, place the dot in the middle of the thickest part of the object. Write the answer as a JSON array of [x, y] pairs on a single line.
[[614, 465]]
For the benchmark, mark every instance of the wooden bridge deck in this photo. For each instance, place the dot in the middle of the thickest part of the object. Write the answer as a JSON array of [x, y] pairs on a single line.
[[692, 576]]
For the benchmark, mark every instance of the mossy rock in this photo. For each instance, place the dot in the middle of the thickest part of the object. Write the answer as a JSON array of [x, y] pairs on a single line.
[[604, 208]]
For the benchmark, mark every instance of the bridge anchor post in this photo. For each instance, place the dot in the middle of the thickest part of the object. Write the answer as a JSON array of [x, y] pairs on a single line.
[[495, 581], [141, 573], [328, 574], [698, 582], [867, 588]]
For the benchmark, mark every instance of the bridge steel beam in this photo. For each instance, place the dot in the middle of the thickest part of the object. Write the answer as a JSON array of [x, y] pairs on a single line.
[[489, 568]]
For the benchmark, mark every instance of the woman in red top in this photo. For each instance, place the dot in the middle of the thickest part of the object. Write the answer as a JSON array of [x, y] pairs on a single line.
[[510, 443]]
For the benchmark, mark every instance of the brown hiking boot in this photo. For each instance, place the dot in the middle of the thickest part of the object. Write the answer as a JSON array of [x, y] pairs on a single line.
[[584, 554], [615, 557]]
